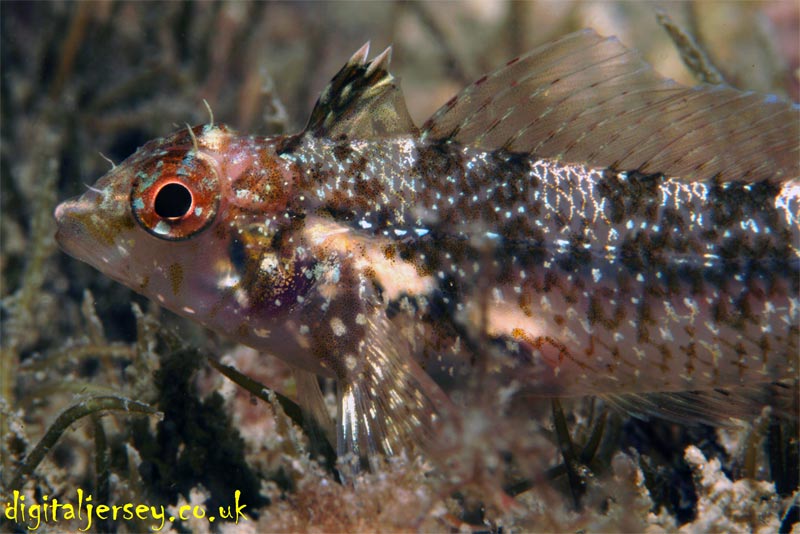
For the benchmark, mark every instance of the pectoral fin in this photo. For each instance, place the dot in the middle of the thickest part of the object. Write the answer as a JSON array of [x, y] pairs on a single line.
[[387, 404]]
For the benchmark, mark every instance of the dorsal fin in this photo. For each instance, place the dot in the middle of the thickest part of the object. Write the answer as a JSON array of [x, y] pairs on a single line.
[[588, 99], [363, 101]]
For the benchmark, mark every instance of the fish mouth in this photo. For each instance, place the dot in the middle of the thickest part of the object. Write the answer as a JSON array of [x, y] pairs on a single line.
[[82, 232], [68, 227]]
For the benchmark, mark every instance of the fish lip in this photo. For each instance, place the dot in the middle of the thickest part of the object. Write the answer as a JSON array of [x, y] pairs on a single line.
[[62, 216], [69, 229], [62, 212]]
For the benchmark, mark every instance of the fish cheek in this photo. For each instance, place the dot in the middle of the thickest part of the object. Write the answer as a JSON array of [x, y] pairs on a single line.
[[275, 281], [160, 270]]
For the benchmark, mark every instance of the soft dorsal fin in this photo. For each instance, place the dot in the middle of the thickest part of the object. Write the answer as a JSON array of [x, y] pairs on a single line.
[[363, 101], [588, 99]]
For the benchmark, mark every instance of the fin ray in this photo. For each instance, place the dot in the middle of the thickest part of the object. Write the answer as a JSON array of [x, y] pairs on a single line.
[[712, 407], [588, 99], [312, 402], [388, 404], [363, 101]]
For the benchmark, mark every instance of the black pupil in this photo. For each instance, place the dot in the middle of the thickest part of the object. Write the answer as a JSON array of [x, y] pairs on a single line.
[[174, 200]]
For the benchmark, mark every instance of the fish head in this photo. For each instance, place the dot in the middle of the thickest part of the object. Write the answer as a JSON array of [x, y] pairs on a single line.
[[200, 222]]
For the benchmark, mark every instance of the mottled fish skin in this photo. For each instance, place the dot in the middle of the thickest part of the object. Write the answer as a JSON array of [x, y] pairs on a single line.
[[595, 281], [392, 261]]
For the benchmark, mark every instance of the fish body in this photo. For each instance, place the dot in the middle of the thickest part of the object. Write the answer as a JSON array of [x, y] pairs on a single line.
[[497, 239], [582, 273]]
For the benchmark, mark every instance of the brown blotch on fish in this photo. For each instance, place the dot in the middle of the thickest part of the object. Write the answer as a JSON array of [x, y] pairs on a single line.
[[175, 275], [243, 330], [342, 151], [439, 160], [367, 188], [596, 314], [691, 354], [525, 300], [221, 232], [666, 356]]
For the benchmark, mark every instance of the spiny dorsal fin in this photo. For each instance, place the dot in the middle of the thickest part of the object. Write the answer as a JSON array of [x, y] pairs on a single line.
[[588, 99], [363, 101]]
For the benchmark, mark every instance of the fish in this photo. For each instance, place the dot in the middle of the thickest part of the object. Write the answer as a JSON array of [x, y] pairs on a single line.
[[571, 224]]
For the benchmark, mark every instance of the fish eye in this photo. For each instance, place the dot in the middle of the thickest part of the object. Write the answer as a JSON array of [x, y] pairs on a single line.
[[173, 201], [176, 196]]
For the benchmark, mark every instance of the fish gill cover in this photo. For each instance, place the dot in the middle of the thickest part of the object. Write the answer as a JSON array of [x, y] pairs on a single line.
[[118, 76]]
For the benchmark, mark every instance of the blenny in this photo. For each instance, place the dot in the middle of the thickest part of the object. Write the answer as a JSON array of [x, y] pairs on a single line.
[[572, 224]]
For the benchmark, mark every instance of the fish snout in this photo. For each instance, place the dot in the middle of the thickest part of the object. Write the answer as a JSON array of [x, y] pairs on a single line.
[[68, 215], [88, 224]]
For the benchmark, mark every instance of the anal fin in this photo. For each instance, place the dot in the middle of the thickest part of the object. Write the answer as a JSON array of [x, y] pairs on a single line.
[[713, 407]]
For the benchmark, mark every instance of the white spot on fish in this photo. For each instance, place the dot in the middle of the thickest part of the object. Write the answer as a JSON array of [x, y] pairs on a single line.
[[228, 281], [338, 327], [666, 334], [269, 262]]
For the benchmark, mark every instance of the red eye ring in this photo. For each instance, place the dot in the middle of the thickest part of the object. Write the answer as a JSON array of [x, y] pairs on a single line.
[[176, 196]]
